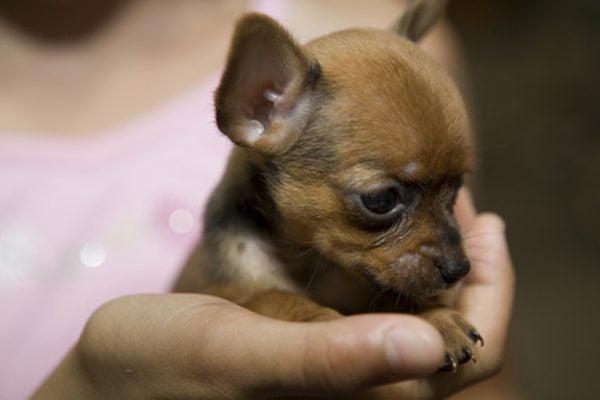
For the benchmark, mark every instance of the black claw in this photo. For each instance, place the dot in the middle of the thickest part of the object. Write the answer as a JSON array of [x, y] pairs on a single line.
[[449, 364], [466, 355], [475, 337]]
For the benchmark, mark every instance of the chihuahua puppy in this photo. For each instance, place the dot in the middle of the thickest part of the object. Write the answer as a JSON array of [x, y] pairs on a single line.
[[338, 196]]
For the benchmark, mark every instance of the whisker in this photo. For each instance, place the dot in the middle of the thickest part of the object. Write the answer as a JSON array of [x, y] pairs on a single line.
[[376, 299], [314, 273], [397, 301]]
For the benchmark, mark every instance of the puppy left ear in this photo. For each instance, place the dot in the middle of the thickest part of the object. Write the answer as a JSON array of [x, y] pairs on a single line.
[[418, 17], [266, 93]]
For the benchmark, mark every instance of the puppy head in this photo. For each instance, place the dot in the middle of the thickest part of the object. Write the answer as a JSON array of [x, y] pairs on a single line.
[[365, 142]]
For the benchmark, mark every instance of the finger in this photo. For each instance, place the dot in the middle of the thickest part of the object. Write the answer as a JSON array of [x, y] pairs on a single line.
[[354, 353], [323, 357], [486, 247], [486, 300], [464, 209]]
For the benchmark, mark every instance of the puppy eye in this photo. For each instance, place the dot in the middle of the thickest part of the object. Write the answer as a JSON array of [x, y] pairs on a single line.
[[380, 208], [382, 202]]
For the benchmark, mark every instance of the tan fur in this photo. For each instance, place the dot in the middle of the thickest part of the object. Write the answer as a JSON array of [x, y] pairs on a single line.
[[318, 128], [378, 128]]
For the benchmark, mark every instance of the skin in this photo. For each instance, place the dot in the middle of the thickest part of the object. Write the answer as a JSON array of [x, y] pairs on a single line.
[[49, 61], [197, 346]]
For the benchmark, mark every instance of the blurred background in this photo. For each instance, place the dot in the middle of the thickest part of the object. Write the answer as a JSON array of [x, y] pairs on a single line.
[[535, 92]]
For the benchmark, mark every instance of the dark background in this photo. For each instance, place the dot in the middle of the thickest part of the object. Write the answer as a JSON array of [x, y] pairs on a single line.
[[534, 70]]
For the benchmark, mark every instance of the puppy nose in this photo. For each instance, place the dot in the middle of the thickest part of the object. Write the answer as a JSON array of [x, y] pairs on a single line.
[[453, 270]]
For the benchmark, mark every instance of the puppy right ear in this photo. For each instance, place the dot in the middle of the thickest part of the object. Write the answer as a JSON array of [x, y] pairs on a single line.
[[418, 17], [265, 96]]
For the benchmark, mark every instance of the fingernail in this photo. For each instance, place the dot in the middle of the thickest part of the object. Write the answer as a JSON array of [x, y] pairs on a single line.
[[411, 351]]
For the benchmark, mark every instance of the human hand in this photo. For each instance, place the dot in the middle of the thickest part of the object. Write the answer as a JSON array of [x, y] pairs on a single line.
[[202, 347], [196, 346]]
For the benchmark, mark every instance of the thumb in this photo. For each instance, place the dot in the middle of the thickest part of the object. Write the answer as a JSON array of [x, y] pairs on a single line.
[[332, 357], [200, 346]]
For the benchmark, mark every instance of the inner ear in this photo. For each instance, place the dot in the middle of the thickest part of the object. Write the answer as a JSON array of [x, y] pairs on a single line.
[[264, 97], [259, 80]]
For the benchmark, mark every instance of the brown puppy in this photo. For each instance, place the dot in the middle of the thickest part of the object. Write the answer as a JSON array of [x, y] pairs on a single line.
[[339, 194]]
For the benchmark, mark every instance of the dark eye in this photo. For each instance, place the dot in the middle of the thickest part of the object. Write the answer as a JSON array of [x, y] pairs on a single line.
[[382, 202], [382, 206]]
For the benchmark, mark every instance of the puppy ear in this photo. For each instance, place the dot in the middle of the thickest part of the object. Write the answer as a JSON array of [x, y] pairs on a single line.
[[418, 17], [266, 93]]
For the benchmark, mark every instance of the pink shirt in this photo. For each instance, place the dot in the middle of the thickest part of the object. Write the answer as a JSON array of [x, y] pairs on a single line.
[[88, 220]]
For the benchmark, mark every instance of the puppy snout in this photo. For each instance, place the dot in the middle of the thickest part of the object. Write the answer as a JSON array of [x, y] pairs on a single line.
[[453, 270]]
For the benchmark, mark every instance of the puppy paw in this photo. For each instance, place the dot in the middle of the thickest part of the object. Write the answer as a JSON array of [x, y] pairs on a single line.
[[323, 314], [290, 307], [459, 336]]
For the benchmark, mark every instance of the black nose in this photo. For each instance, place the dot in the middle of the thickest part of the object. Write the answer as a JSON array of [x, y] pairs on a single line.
[[453, 270]]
